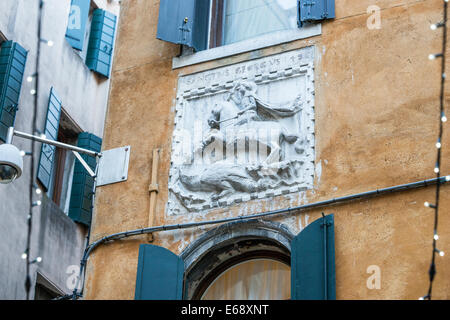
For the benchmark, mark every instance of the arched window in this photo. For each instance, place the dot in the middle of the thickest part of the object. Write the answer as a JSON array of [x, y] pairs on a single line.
[[243, 260], [255, 279]]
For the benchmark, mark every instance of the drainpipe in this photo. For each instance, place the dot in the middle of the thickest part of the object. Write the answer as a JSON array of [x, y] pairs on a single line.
[[153, 190]]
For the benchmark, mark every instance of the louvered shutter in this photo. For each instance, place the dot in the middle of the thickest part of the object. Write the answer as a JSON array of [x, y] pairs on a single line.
[[159, 274], [12, 65], [184, 22], [47, 156], [315, 10], [80, 209], [101, 42], [76, 26], [313, 262]]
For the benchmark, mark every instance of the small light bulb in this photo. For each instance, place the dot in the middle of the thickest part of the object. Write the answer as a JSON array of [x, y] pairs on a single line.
[[433, 27], [444, 118], [436, 170], [33, 92], [447, 178], [24, 256], [38, 191], [38, 202], [436, 237], [43, 136], [421, 298], [29, 78], [441, 253], [50, 43], [438, 145], [38, 259], [431, 57], [22, 153]]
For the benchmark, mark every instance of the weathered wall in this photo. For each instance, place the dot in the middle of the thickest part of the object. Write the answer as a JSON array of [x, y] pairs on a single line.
[[55, 237], [376, 107]]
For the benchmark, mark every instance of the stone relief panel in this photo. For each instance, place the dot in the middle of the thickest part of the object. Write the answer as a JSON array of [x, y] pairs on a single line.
[[243, 132]]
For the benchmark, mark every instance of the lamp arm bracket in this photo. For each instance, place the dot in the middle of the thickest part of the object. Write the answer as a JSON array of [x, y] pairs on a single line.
[[85, 165], [52, 142]]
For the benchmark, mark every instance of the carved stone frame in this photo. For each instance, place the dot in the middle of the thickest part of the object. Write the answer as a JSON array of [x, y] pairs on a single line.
[[188, 90]]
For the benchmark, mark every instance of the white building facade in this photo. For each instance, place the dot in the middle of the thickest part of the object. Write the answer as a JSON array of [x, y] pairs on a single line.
[[76, 51]]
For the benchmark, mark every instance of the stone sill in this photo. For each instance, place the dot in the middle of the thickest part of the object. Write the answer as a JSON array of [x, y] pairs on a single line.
[[264, 41]]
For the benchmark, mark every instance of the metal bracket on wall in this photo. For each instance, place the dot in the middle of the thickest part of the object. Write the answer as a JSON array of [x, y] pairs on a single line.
[[113, 166]]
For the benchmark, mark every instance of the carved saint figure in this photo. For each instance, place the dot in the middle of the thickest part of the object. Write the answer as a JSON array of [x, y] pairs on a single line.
[[243, 111]]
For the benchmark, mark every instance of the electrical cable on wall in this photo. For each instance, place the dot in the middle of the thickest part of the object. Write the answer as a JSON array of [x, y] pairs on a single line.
[[437, 168], [321, 204]]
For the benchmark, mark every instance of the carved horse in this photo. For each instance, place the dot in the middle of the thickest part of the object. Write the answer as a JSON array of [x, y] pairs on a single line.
[[223, 123]]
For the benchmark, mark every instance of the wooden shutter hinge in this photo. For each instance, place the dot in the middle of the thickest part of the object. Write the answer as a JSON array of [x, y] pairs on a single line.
[[326, 222]]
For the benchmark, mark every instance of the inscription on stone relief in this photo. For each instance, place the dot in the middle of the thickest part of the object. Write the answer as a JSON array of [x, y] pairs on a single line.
[[243, 132]]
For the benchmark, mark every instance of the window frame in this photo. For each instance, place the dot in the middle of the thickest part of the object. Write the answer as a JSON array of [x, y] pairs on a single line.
[[215, 51], [59, 178], [58, 172], [216, 22]]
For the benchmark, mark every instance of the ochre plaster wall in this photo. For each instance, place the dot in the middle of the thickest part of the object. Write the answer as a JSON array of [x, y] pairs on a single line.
[[376, 125]]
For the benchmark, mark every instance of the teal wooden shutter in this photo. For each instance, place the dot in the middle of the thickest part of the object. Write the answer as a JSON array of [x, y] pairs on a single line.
[[159, 274], [184, 22], [80, 209], [76, 26], [12, 65], [201, 25], [101, 42], [47, 156], [313, 262], [315, 10]]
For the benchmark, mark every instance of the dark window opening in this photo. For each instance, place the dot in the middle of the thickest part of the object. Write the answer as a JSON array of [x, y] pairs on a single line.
[[64, 163], [43, 293], [45, 290]]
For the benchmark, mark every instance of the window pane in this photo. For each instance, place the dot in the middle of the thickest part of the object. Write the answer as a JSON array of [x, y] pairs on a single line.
[[252, 18], [258, 279]]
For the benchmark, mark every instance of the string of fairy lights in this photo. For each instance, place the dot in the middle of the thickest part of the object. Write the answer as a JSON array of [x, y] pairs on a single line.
[[437, 168], [34, 188]]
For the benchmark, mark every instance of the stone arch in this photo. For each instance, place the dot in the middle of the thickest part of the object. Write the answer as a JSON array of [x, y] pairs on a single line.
[[231, 243]]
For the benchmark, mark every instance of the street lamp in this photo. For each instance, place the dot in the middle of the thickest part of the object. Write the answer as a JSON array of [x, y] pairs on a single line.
[[112, 167]]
